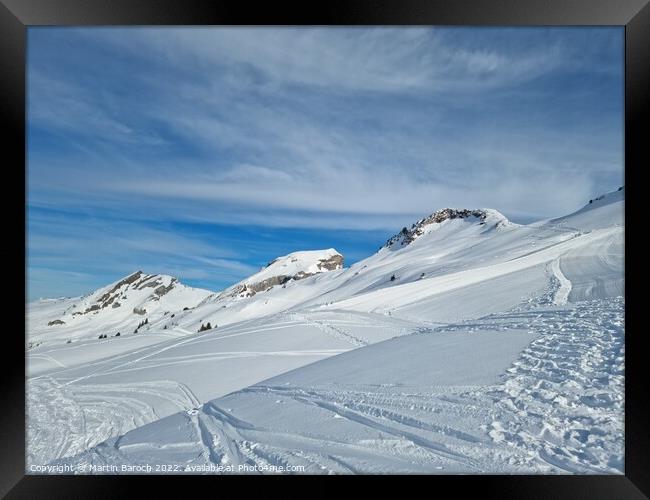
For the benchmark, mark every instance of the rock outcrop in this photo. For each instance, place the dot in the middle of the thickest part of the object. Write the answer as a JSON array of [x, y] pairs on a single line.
[[407, 236], [295, 266]]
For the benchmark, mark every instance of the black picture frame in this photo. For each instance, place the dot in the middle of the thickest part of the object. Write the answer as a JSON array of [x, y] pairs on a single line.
[[17, 15]]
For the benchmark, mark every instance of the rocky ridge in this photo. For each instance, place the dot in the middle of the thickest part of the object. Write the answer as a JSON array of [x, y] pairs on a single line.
[[406, 236]]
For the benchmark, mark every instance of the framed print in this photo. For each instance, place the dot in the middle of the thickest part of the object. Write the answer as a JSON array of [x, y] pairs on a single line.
[[357, 239]]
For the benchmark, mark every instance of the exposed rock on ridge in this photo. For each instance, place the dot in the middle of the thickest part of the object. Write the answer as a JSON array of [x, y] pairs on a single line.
[[407, 236], [251, 286]]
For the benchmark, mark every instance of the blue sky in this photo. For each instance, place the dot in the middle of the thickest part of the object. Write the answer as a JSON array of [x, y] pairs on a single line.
[[206, 152]]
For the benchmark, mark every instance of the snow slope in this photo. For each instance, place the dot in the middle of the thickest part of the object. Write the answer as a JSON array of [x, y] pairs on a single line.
[[140, 378], [604, 211], [478, 397], [475, 345]]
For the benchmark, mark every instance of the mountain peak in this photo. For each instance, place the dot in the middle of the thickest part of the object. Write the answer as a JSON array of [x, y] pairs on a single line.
[[294, 266], [118, 307], [114, 294], [482, 216]]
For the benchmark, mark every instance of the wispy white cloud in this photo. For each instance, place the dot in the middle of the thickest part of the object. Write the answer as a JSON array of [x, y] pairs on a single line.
[[385, 59]]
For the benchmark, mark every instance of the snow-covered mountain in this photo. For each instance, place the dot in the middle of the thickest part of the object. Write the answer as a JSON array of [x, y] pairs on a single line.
[[445, 217], [295, 266], [476, 345], [117, 308]]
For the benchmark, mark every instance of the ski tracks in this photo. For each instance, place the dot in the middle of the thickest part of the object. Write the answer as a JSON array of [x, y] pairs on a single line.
[[334, 331], [382, 414], [558, 409], [562, 293], [67, 419]]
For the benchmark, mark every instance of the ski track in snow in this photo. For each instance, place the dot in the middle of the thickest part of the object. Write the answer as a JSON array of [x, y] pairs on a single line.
[[128, 405], [107, 409], [335, 331], [562, 294], [557, 409], [49, 358]]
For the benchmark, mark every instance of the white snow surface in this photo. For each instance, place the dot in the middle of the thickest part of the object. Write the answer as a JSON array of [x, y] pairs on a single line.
[[481, 346]]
